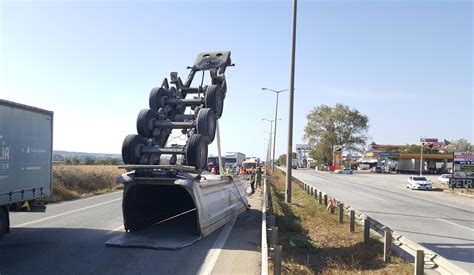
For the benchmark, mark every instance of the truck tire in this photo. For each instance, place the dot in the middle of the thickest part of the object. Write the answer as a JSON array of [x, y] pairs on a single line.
[[206, 123], [145, 123], [157, 98], [4, 224], [131, 149], [214, 99], [196, 151]]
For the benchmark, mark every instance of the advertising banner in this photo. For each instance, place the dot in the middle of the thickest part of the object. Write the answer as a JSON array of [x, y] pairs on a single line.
[[463, 173]]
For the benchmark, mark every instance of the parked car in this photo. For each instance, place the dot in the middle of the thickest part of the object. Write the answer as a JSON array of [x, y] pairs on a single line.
[[444, 178], [344, 171], [419, 182], [376, 169]]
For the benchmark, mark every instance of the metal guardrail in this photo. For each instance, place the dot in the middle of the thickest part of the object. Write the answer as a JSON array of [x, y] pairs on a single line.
[[402, 245], [264, 269]]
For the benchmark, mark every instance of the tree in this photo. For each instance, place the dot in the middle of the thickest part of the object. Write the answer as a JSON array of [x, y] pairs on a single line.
[[281, 161], [89, 161], [459, 145], [339, 125]]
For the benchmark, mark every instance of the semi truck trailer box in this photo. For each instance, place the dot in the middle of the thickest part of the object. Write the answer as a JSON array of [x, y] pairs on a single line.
[[26, 146]]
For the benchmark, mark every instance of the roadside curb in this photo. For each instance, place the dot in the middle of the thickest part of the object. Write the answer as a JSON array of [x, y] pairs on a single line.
[[264, 265], [460, 194]]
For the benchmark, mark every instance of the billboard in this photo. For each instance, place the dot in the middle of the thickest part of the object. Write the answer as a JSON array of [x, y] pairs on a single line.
[[463, 170], [302, 153], [337, 157]]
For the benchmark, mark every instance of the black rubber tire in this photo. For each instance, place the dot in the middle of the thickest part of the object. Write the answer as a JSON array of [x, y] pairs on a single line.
[[131, 148], [157, 98], [215, 99], [196, 151], [3, 221], [145, 123], [206, 124]]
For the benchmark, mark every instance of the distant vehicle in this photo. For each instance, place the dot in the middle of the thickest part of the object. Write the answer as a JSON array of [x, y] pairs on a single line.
[[248, 165], [26, 153], [234, 158], [444, 178], [294, 163], [376, 169], [347, 171], [419, 182]]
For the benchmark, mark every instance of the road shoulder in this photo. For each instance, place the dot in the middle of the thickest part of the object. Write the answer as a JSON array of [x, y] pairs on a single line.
[[242, 253]]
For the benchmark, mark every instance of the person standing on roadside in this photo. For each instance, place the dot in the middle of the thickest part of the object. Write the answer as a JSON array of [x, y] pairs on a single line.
[[259, 176], [252, 180]]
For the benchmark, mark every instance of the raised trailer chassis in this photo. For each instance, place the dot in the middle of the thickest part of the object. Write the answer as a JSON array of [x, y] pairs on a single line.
[[167, 105]]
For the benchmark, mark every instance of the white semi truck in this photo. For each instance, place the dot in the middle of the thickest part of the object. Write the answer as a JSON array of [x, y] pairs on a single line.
[[26, 143]]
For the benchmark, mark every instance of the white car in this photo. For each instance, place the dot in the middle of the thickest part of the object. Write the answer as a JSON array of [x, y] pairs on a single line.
[[344, 171], [419, 182], [444, 178]]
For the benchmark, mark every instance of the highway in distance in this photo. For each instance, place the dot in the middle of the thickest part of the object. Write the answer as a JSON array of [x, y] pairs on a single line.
[[438, 220]]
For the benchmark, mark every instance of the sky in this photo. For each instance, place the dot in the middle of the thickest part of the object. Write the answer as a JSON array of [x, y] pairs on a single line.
[[407, 65]]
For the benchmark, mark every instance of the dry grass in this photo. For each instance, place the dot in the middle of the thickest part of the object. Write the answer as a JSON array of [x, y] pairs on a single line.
[[75, 181], [445, 187], [314, 241]]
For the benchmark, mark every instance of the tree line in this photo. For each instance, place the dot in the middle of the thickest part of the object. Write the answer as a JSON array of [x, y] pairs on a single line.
[[91, 161], [327, 126]]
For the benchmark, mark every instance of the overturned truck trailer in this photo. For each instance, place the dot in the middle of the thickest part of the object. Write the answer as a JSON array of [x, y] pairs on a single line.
[[169, 206]]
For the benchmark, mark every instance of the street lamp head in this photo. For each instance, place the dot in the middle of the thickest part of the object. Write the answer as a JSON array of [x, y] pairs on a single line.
[[275, 91]]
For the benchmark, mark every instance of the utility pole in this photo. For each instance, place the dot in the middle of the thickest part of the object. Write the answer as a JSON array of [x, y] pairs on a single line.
[[276, 115], [422, 139], [290, 111]]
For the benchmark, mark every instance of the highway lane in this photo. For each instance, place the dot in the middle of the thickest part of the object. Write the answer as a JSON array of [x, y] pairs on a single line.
[[440, 221], [70, 236]]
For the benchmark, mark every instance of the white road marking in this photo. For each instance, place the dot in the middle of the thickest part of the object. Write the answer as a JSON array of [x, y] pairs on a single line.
[[65, 213], [213, 254], [363, 193], [121, 228], [465, 227]]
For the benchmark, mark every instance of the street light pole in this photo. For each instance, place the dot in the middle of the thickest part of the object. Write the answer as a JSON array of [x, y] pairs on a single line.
[[290, 111], [276, 115], [422, 139]]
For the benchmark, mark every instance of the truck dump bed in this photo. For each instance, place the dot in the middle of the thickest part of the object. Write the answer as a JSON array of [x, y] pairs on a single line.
[[26, 136]]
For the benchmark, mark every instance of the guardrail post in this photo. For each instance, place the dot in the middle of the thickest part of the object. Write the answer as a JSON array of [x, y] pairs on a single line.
[[332, 210], [325, 200], [274, 236], [315, 193], [307, 189], [352, 222], [366, 230], [387, 245], [320, 197], [419, 262], [341, 213], [311, 191], [277, 260]]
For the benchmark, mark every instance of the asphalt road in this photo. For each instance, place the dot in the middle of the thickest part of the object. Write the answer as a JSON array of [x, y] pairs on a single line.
[[69, 239], [438, 220]]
